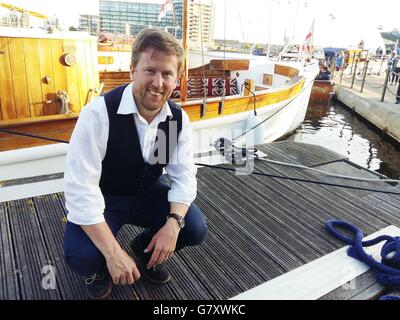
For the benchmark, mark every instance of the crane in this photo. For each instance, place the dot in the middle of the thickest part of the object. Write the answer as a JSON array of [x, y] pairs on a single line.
[[31, 13]]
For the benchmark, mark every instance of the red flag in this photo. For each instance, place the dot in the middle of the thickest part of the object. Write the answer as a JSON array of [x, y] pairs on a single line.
[[167, 6], [308, 42]]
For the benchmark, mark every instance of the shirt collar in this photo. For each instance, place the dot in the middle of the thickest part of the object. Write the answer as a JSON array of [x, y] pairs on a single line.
[[128, 105]]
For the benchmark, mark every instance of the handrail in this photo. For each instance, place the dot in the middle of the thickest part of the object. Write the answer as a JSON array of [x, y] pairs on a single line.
[[362, 72]]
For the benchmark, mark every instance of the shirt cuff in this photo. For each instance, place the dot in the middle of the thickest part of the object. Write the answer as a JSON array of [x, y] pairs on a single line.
[[172, 197], [87, 221]]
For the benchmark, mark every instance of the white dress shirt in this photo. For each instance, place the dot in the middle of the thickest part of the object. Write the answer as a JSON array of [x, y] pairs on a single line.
[[88, 146]]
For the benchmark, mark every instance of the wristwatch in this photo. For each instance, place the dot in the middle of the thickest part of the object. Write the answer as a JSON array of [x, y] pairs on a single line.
[[178, 218]]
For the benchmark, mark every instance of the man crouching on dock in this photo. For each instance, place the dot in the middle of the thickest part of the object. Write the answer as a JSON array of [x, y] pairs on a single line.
[[116, 157]]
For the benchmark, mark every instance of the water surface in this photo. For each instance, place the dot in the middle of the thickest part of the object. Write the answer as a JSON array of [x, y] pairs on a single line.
[[335, 127]]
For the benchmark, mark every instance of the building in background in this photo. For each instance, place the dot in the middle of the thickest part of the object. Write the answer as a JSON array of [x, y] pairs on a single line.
[[123, 16], [90, 24], [201, 25]]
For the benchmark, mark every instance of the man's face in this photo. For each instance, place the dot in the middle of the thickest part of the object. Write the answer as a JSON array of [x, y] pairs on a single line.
[[154, 79]]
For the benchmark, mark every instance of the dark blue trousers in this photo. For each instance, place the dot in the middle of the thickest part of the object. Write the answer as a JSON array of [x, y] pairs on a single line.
[[398, 93], [148, 209]]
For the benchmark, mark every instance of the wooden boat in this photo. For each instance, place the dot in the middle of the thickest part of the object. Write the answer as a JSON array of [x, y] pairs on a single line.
[[58, 64], [45, 81], [322, 91], [245, 101]]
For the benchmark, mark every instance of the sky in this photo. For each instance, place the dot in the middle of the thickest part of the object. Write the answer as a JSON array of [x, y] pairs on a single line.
[[338, 23], [353, 21]]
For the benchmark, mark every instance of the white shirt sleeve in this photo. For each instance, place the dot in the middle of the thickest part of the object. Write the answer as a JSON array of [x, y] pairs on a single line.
[[181, 168], [87, 149]]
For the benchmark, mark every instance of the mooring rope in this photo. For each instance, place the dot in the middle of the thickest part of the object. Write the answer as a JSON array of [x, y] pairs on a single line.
[[32, 136], [266, 119], [273, 176], [234, 169], [386, 272], [327, 173]]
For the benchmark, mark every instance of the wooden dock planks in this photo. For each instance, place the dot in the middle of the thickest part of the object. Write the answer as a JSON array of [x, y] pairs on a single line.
[[9, 287], [259, 229], [31, 254]]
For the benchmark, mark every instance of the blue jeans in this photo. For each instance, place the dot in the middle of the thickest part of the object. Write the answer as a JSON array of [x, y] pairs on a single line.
[[148, 209]]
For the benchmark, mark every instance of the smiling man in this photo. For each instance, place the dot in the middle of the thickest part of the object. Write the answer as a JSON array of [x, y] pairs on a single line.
[[117, 153]]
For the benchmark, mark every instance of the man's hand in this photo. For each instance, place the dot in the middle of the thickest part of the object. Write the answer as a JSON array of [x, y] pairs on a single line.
[[163, 243], [122, 268]]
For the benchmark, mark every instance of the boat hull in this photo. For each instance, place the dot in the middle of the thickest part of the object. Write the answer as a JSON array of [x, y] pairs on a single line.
[[280, 120], [276, 120], [322, 91], [54, 127]]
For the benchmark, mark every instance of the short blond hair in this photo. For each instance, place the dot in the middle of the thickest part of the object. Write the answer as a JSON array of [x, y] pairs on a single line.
[[160, 41]]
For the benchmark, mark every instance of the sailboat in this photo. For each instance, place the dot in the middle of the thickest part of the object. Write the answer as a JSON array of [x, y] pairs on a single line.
[[49, 78]]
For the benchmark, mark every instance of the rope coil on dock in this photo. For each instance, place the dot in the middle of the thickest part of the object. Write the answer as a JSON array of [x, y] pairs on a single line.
[[386, 272]]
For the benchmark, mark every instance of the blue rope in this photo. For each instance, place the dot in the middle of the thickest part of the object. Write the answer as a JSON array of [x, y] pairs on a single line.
[[386, 272]]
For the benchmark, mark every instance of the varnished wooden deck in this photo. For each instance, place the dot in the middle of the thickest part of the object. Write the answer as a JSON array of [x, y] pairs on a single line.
[[259, 228]]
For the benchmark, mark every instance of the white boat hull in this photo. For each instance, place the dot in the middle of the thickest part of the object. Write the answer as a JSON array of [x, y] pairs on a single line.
[[280, 120]]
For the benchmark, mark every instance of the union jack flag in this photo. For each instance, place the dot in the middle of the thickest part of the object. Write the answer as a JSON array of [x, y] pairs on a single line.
[[176, 94], [231, 86], [211, 87], [214, 87]]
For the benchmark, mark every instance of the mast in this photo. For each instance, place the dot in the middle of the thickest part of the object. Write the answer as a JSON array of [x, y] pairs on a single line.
[[185, 44]]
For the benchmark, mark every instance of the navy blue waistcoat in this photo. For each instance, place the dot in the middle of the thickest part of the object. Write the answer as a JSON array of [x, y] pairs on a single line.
[[124, 171]]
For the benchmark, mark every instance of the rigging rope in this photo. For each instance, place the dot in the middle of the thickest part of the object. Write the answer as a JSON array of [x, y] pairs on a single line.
[[224, 66], [265, 120], [202, 59], [32, 136], [240, 20], [123, 45]]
